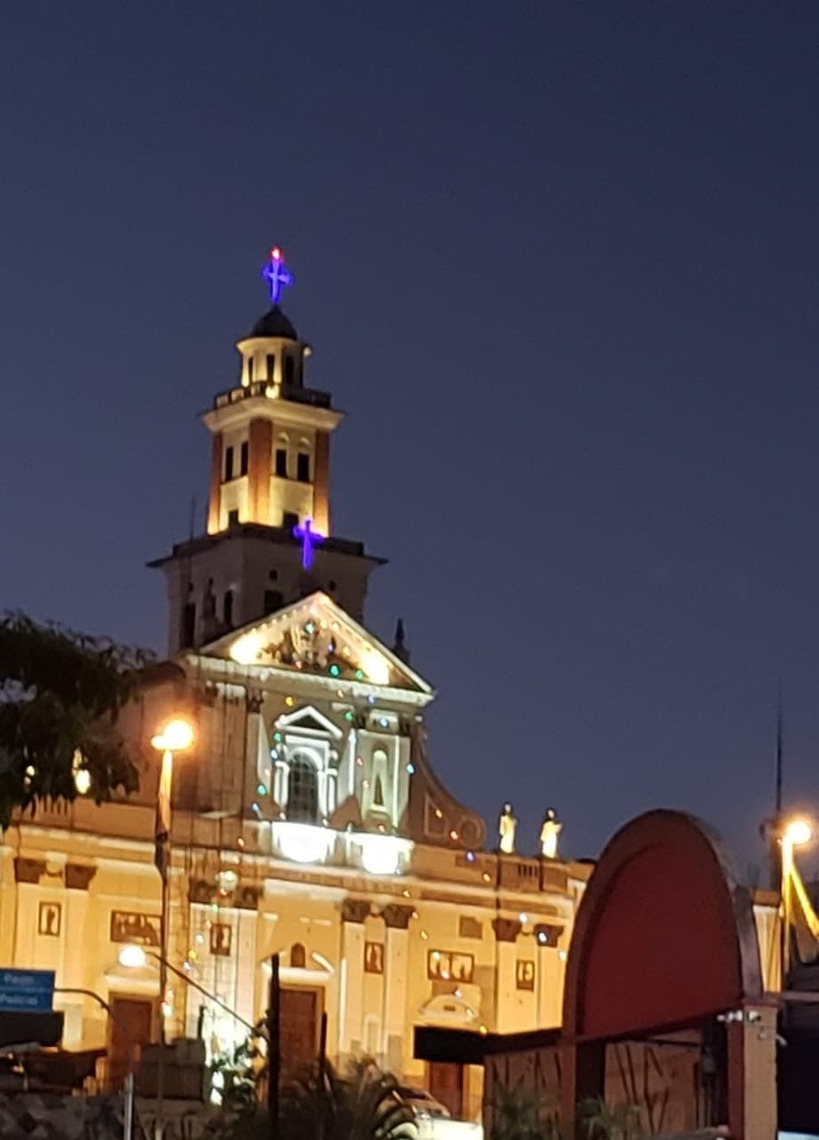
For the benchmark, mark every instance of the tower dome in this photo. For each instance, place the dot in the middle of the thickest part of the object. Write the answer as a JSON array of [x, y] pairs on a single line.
[[274, 323]]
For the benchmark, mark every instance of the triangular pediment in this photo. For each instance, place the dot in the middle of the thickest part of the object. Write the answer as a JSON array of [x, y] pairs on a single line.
[[309, 720], [316, 636]]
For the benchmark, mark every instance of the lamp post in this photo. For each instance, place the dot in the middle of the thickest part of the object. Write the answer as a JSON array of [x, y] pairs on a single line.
[[175, 736], [794, 833], [128, 1094]]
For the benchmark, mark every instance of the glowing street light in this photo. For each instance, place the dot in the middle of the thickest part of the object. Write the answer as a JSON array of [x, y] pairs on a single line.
[[176, 736], [797, 833], [132, 957]]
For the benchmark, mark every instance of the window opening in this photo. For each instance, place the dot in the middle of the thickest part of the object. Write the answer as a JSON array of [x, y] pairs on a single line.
[[302, 795]]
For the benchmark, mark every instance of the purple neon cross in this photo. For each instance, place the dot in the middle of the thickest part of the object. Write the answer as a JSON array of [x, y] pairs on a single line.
[[309, 539], [276, 274]]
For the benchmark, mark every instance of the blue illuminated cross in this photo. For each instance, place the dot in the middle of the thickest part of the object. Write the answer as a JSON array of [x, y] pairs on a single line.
[[309, 539], [276, 274]]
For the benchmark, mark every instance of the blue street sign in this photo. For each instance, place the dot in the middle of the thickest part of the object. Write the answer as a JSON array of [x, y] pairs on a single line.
[[27, 991]]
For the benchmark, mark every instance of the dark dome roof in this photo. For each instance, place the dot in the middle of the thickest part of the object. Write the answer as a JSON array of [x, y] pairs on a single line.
[[274, 323]]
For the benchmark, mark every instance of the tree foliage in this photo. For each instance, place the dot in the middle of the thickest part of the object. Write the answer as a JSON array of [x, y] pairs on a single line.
[[604, 1122], [61, 693], [518, 1114], [363, 1103]]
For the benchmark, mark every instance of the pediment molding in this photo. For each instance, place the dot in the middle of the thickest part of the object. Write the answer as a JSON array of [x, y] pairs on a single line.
[[316, 639], [310, 721]]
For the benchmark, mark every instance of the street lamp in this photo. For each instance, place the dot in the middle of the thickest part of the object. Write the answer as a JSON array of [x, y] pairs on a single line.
[[794, 833], [176, 735]]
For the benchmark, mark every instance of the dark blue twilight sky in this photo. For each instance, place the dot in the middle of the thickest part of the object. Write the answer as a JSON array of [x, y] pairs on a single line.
[[557, 260]]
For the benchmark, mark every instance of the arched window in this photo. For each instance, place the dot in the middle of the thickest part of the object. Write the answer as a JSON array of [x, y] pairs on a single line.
[[302, 792], [298, 956], [289, 368]]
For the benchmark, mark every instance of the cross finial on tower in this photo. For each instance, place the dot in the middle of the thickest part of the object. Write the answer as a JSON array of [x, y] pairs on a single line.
[[309, 539], [276, 274]]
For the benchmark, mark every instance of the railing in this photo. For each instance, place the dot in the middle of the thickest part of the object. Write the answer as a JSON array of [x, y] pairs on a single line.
[[311, 396]]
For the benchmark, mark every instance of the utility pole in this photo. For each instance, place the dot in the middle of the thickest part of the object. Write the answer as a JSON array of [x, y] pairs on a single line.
[[274, 1058]]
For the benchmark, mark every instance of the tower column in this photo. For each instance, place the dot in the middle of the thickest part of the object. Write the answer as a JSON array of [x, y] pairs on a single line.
[[215, 499], [259, 470], [321, 482]]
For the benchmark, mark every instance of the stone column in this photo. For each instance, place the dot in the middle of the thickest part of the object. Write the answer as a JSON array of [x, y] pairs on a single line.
[[254, 740], [78, 878], [247, 967], [27, 873], [354, 912], [506, 933], [396, 968], [321, 482]]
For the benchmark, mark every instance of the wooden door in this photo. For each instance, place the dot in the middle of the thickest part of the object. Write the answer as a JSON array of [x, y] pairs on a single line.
[[445, 1081], [299, 1013], [136, 1015]]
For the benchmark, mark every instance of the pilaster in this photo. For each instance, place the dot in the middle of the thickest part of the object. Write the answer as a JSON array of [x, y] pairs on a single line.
[[396, 970], [321, 482], [215, 498], [260, 469], [254, 742], [78, 877], [351, 992], [506, 952]]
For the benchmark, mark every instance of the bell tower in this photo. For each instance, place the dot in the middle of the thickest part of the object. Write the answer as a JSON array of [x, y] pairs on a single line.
[[269, 539]]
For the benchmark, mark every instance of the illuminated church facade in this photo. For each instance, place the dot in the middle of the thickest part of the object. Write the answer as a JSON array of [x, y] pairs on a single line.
[[307, 818]]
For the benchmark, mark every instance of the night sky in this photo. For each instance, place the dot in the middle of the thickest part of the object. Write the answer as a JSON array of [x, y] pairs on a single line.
[[559, 263]]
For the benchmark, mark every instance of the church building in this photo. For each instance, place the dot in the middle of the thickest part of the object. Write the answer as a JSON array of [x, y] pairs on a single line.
[[307, 820]]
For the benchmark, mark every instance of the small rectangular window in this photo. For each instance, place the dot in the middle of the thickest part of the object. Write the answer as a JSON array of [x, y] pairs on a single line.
[[303, 467], [281, 461], [228, 463], [243, 458], [469, 927], [233, 518], [290, 519]]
